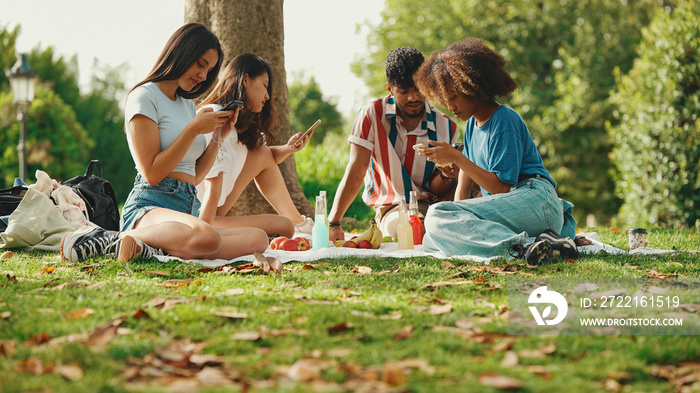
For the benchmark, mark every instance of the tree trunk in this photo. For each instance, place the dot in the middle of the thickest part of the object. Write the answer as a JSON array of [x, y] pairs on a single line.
[[255, 27]]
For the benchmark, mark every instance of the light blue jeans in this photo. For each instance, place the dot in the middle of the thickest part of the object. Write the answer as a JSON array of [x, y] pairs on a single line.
[[169, 193], [490, 225]]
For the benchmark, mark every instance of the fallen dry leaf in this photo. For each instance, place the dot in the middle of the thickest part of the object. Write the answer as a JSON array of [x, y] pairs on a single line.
[[614, 374], [47, 270], [206, 360], [234, 291], [141, 314], [444, 284], [102, 335], [7, 254], [231, 315], [404, 333], [505, 345], [246, 336], [439, 309], [156, 302], [540, 371], [267, 263], [499, 381], [40, 338], [276, 309], [662, 276], [300, 320], [465, 323], [339, 352], [71, 372], [304, 370], [210, 376], [6, 315], [392, 375], [447, 265], [510, 359], [612, 385], [418, 364], [80, 313], [340, 327], [7, 348], [34, 366], [157, 273], [531, 353], [180, 282], [362, 270]]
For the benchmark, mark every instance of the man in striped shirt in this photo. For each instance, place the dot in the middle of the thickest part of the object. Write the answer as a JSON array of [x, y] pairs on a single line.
[[382, 153]]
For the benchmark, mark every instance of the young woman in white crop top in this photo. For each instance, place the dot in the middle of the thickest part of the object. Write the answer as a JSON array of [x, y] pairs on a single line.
[[245, 155], [167, 143]]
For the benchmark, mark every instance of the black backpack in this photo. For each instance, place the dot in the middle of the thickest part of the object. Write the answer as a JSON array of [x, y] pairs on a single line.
[[10, 199], [98, 195]]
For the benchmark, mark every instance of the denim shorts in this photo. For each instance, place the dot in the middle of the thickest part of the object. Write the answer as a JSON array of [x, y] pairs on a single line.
[[169, 193]]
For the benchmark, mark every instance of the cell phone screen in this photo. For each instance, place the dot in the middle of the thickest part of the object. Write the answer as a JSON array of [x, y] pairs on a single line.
[[298, 142]]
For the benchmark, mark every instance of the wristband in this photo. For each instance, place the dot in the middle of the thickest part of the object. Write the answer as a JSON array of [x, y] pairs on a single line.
[[445, 178], [334, 223]]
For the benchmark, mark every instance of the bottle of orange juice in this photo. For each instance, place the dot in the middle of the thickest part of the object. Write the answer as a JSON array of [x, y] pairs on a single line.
[[414, 218]]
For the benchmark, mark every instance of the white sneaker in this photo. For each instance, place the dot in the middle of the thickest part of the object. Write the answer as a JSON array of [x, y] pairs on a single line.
[[305, 226]]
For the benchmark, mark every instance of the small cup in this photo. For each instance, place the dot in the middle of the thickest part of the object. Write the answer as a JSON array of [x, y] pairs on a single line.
[[637, 238]]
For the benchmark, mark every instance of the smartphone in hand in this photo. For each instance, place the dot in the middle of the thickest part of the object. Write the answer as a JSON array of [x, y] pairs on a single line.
[[232, 105], [301, 138]]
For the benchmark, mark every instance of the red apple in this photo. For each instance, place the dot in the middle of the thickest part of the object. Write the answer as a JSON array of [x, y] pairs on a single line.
[[290, 245], [276, 242], [304, 243], [364, 244], [350, 244]]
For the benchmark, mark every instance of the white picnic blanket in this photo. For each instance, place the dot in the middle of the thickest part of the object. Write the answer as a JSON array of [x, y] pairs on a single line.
[[391, 250]]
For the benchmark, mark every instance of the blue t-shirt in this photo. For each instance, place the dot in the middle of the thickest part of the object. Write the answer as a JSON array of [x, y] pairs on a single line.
[[504, 146], [171, 117]]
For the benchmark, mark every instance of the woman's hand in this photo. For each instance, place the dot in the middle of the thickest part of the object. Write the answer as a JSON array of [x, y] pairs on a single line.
[[449, 172], [441, 153], [207, 120], [229, 126], [292, 143]]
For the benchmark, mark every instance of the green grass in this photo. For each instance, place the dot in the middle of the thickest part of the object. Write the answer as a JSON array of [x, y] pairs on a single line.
[[293, 313]]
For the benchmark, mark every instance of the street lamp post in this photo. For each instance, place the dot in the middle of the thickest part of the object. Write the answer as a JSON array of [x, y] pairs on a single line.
[[22, 82]]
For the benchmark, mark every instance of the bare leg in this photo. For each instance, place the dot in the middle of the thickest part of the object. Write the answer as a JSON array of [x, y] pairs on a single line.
[[272, 224], [186, 236], [260, 165], [236, 242]]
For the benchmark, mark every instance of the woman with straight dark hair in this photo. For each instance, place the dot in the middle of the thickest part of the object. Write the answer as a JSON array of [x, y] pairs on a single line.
[[245, 154], [166, 140]]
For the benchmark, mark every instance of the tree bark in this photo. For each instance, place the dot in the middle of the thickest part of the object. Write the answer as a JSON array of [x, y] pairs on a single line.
[[255, 27]]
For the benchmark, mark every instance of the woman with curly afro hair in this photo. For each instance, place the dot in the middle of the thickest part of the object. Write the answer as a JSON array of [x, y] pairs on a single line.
[[520, 210]]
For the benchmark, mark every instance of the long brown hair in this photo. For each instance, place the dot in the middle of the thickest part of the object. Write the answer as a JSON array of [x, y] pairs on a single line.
[[187, 45], [253, 128]]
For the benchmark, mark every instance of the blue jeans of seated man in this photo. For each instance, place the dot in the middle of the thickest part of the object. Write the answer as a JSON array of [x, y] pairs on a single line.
[[490, 225]]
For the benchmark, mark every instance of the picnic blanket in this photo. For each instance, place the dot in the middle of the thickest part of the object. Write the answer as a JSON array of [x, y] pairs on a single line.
[[391, 250]]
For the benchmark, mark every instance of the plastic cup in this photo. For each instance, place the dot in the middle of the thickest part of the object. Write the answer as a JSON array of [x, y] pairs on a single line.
[[637, 238]]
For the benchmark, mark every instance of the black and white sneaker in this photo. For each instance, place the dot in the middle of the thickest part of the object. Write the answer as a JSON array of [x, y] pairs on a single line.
[[536, 253], [87, 242], [563, 247], [129, 248]]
